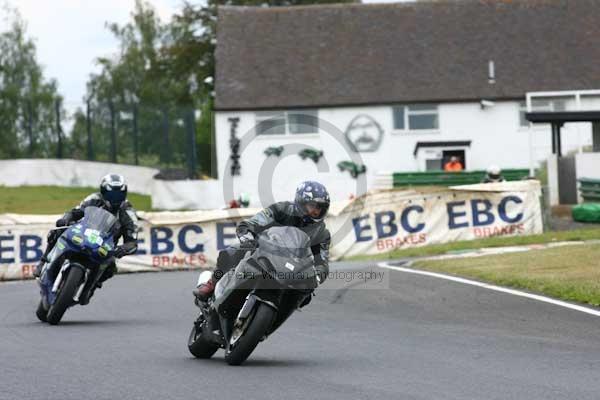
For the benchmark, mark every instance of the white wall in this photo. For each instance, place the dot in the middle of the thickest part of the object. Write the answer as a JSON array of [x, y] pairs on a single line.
[[77, 173], [494, 132], [187, 195], [588, 165]]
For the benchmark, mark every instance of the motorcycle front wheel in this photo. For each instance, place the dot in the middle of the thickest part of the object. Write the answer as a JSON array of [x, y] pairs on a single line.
[[65, 297], [245, 345]]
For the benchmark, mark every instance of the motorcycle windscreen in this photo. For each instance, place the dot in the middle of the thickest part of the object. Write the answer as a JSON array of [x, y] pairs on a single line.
[[288, 250], [285, 241], [99, 219]]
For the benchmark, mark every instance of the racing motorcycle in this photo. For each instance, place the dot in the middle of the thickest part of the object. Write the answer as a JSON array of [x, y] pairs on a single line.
[[81, 255], [275, 277]]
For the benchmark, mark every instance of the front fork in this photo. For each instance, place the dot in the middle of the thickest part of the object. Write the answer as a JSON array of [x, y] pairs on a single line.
[[234, 330]]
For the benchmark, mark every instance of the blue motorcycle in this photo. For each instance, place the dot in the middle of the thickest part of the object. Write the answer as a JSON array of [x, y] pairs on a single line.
[[81, 255]]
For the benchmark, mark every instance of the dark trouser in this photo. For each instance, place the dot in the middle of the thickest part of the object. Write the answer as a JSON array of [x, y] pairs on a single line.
[[109, 272], [228, 259], [52, 238]]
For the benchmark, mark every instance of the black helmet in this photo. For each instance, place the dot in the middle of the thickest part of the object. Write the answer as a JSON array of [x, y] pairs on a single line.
[[114, 189], [312, 193]]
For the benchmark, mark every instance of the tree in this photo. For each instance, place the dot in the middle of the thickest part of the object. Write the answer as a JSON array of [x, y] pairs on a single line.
[[166, 70], [191, 57], [140, 76], [27, 99]]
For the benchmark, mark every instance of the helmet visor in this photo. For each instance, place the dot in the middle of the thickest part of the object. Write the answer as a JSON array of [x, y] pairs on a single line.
[[315, 209], [115, 196]]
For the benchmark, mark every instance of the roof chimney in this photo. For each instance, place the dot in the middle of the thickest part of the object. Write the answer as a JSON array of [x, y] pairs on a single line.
[[491, 72]]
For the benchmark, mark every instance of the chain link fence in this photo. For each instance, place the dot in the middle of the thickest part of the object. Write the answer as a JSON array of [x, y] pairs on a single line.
[[177, 140]]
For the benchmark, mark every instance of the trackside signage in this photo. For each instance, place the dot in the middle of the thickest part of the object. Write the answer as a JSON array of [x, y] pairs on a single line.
[[372, 224], [392, 220]]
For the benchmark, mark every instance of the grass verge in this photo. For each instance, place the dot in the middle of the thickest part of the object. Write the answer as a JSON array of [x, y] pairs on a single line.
[[53, 199], [569, 273], [435, 249]]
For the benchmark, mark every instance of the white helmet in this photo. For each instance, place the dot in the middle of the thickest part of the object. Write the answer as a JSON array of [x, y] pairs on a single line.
[[494, 170]]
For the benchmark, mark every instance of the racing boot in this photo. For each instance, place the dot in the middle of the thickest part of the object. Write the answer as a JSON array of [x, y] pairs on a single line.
[[205, 290], [108, 273], [37, 272]]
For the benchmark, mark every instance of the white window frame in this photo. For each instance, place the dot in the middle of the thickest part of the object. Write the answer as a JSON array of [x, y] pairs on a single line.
[[261, 116], [435, 110]]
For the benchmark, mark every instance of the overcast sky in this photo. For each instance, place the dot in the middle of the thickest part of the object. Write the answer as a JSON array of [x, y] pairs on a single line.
[[71, 34]]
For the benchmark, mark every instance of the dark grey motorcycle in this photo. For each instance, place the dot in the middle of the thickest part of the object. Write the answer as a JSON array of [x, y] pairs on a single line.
[[250, 302]]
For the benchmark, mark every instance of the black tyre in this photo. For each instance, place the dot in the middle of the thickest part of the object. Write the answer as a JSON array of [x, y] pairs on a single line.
[[198, 346], [41, 312], [65, 296], [260, 324]]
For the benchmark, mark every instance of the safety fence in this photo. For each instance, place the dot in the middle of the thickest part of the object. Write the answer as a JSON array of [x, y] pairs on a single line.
[[372, 224], [175, 139]]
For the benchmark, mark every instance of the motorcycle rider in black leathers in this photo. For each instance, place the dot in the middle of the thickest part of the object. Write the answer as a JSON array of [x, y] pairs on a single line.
[[307, 212], [113, 198]]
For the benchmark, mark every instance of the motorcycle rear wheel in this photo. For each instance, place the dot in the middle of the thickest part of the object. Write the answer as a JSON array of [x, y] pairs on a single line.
[[198, 346]]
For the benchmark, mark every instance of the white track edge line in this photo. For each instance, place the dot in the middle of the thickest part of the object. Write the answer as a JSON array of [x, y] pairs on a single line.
[[494, 287]]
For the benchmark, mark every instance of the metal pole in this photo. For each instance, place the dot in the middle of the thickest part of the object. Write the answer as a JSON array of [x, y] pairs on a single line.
[[30, 127], [166, 151], [558, 141], [528, 105], [135, 134], [554, 138], [58, 129], [579, 140], [191, 139], [113, 133], [213, 148], [88, 123]]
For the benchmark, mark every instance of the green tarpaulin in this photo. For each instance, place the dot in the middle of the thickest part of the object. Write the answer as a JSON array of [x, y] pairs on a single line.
[[587, 212]]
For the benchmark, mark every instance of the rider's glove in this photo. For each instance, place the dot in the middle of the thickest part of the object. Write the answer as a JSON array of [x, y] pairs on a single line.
[[119, 252], [62, 222], [247, 239], [321, 272], [125, 249]]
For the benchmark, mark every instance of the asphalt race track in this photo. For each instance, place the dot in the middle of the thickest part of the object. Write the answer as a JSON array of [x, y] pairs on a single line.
[[423, 338]]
